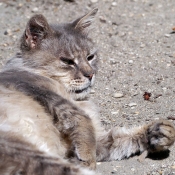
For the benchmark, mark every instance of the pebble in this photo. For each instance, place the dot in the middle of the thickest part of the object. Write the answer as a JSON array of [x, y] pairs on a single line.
[[142, 45], [163, 166], [114, 112], [121, 34], [20, 5], [112, 61], [94, 1], [136, 113], [160, 172], [114, 4], [35, 9], [164, 88], [8, 32], [102, 19], [117, 95], [131, 61], [167, 35], [14, 36], [132, 169], [132, 104], [92, 91]]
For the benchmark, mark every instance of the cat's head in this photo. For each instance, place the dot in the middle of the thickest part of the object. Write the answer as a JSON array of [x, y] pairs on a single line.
[[63, 52]]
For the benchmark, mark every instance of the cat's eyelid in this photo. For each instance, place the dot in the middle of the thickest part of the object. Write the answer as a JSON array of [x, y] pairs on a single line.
[[67, 61], [91, 56]]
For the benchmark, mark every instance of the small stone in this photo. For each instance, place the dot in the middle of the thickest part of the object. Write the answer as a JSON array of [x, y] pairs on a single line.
[[160, 172], [35, 9], [117, 95], [131, 61], [164, 88], [118, 166], [14, 36], [8, 32], [102, 19], [121, 34], [163, 166], [94, 1], [112, 61], [132, 169], [114, 112], [167, 35], [114, 4], [132, 104], [92, 91], [142, 45], [20, 5]]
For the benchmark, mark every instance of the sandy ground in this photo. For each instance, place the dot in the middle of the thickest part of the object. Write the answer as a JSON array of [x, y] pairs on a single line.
[[136, 48]]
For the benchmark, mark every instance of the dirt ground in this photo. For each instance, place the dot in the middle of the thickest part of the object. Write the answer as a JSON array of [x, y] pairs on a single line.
[[136, 47]]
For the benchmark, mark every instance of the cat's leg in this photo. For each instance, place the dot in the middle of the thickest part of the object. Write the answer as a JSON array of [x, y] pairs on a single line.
[[78, 128], [120, 143]]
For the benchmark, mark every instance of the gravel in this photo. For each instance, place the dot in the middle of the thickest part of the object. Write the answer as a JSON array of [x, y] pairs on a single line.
[[136, 48]]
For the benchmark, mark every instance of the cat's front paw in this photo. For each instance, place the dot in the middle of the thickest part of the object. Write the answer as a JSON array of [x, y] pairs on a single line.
[[160, 135]]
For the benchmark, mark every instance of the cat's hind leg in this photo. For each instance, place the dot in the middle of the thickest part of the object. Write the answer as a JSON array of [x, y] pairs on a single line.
[[120, 143]]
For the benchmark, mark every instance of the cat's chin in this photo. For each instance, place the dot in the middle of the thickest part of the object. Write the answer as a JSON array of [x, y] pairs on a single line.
[[81, 94]]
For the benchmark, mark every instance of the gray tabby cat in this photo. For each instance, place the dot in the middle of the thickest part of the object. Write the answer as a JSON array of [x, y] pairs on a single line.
[[46, 115]]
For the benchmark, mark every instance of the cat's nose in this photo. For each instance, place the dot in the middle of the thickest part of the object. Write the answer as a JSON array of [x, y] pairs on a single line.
[[89, 76]]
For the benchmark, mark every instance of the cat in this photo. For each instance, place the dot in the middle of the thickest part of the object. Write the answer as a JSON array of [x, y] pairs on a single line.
[[48, 124]]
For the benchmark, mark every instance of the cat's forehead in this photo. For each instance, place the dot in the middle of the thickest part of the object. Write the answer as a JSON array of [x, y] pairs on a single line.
[[73, 42]]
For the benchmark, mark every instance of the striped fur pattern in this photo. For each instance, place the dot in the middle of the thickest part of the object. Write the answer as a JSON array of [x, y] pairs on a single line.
[[46, 117]]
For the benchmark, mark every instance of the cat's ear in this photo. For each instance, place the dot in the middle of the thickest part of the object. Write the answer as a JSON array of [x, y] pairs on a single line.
[[36, 30], [82, 24]]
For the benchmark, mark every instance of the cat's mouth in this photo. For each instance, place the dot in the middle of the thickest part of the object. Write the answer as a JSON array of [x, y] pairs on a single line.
[[81, 90]]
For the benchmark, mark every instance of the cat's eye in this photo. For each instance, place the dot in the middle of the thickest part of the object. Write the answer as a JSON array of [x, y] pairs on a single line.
[[90, 57], [67, 61]]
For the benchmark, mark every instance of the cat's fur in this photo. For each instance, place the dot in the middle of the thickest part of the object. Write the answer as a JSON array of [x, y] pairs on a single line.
[[45, 112]]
